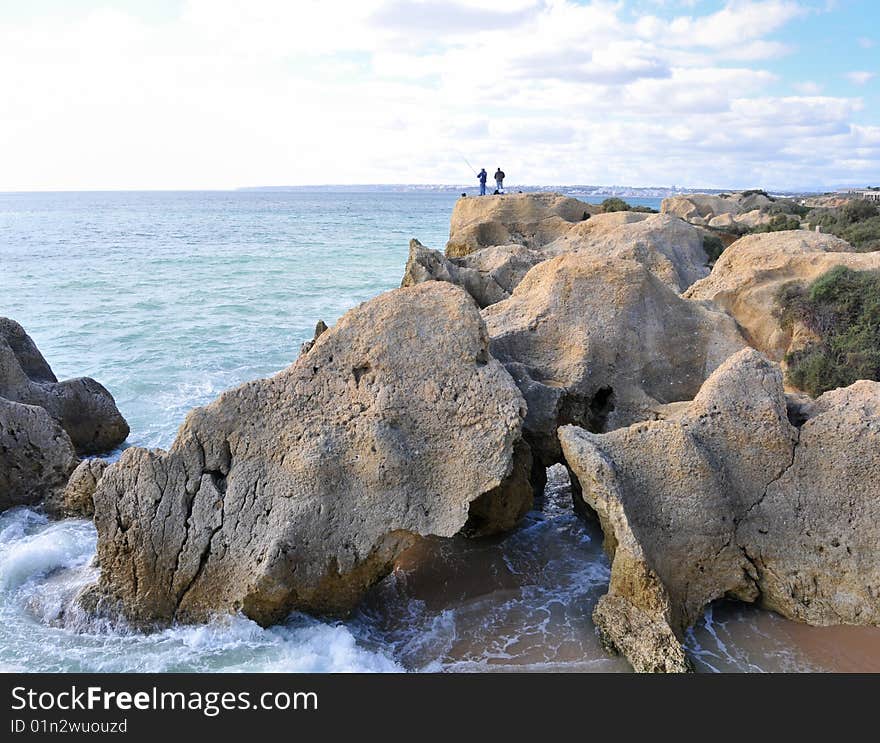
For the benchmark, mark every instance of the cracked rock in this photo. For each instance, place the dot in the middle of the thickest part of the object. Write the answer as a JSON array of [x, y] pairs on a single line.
[[601, 343], [299, 491], [729, 499]]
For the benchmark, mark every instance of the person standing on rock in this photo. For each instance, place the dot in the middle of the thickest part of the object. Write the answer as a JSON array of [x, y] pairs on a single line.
[[499, 179], [482, 176]]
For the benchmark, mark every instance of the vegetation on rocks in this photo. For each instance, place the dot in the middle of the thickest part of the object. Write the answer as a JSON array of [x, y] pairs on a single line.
[[787, 206], [779, 223], [857, 222], [615, 204], [842, 308], [714, 247]]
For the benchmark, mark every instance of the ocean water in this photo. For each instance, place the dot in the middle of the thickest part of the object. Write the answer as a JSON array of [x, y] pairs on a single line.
[[170, 298]]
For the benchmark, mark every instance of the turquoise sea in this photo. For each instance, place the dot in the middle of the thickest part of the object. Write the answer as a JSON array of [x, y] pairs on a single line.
[[168, 299]]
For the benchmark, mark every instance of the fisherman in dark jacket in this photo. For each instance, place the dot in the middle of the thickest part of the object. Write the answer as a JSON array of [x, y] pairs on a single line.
[[499, 179], [482, 176]]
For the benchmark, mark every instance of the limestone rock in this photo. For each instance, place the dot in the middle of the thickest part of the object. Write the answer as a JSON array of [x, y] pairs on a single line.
[[705, 209], [668, 247], [36, 455], [752, 219], [488, 275], [602, 343], [83, 407], [320, 328], [747, 277], [76, 498], [706, 206], [300, 491], [729, 499], [531, 220], [725, 222]]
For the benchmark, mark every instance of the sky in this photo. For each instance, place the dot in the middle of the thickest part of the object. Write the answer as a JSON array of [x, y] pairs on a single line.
[[191, 94]]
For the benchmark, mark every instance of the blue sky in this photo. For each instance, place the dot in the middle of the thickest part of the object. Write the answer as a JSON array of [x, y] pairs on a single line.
[[221, 94]]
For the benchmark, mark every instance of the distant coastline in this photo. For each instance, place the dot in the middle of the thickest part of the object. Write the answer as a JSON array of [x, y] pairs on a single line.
[[581, 190]]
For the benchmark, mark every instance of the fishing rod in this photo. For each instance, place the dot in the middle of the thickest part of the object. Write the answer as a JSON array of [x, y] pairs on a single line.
[[469, 165]]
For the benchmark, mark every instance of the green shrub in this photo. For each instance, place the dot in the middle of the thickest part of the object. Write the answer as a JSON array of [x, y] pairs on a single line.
[[863, 236], [779, 223], [713, 247], [858, 211], [756, 192], [842, 307], [615, 205], [857, 222], [787, 206]]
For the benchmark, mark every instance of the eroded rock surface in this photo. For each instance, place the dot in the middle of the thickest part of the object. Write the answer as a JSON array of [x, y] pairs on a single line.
[[747, 277], [36, 455], [531, 220], [602, 343], [300, 491], [668, 247], [85, 410], [488, 275], [729, 499], [77, 497], [706, 207]]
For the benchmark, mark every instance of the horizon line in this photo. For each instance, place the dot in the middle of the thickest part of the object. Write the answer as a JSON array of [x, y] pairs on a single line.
[[511, 189]]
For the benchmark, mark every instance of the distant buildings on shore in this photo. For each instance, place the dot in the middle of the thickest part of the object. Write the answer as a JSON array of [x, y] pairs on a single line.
[[868, 194]]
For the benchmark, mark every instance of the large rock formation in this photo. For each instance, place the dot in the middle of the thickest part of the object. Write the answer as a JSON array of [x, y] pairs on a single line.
[[488, 275], [731, 499], [36, 455], [701, 208], [670, 248], [602, 343], [300, 491], [531, 220], [85, 410], [747, 277]]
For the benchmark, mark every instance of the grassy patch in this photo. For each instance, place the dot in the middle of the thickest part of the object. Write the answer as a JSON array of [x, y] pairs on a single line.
[[842, 307]]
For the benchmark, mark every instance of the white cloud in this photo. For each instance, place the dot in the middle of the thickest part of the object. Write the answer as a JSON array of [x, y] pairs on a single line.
[[274, 92], [860, 77]]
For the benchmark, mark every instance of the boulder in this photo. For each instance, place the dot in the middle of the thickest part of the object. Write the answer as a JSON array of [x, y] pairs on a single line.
[[488, 275], [36, 455], [601, 343], [729, 499], [752, 219], [749, 274], [725, 222], [708, 209], [668, 247], [77, 497], [701, 205], [531, 220], [300, 491], [85, 410]]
